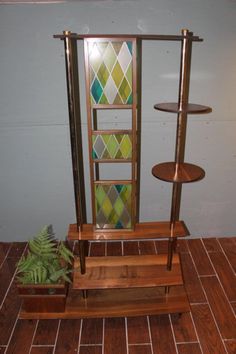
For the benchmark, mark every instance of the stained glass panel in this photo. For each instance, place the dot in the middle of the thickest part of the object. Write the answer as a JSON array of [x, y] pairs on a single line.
[[110, 72], [113, 206], [112, 146]]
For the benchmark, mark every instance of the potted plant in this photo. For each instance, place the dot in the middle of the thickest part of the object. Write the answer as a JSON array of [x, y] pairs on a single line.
[[43, 274]]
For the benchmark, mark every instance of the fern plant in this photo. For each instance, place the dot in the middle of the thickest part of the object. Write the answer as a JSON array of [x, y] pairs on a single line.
[[47, 261]]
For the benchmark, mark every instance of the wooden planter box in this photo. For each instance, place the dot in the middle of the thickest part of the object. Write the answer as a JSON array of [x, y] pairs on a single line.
[[43, 297]]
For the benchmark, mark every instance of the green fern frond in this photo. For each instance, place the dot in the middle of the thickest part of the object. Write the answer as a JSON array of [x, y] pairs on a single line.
[[43, 261]]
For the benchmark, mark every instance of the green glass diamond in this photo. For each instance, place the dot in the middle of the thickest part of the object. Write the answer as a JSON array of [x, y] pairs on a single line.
[[119, 206], [126, 147], [103, 74], [124, 90], [107, 206], [117, 74], [128, 74], [112, 146], [109, 57], [100, 194]]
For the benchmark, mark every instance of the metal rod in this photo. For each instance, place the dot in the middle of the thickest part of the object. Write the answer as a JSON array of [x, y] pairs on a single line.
[[159, 37], [139, 125], [184, 80], [181, 120], [72, 79], [70, 46]]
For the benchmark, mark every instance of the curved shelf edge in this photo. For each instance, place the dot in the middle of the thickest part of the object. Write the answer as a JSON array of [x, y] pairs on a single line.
[[190, 108], [178, 173]]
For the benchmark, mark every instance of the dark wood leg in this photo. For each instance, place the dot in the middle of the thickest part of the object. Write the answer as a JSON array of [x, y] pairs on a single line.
[[171, 248], [85, 294], [83, 252]]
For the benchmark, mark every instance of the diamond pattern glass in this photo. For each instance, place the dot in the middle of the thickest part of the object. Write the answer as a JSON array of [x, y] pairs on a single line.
[[112, 146], [113, 206], [110, 72]]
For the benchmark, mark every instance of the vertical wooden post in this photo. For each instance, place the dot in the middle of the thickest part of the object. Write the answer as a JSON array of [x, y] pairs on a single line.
[[72, 78]]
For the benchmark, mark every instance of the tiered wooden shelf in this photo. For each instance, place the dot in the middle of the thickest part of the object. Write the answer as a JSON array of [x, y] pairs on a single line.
[[145, 230], [178, 173], [190, 108], [126, 285]]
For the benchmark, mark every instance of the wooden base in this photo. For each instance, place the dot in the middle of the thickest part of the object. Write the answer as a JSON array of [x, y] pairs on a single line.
[[145, 230], [119, 303], [125, 286]]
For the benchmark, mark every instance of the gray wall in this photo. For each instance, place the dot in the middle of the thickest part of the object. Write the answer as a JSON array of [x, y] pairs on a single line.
[[35, 170]]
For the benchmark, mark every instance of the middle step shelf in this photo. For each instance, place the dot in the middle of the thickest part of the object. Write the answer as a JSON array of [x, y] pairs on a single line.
[[127, 272]]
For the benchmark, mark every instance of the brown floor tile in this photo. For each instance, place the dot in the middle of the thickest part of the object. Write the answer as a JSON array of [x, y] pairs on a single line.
[[92, 331], [211, 244], [233, 304], [229, 246], [161, 334], [219, 290], [8, 314], [200, 257], [97, 249], [6, 273], [90, 349], [17, 250], [147, 247], [22, 337], [4, 248], [115, 336], [183, 328], [207, 331], [189, 348], [220, 307], [131, 248], [138, 330], [114, 249], [140, 349], [225, 274], [191, 280], [182, 246], [41, 350], [231, 346], [68, 337], [46, 332]]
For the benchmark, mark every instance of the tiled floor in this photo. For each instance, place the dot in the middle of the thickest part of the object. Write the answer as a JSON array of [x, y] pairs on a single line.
[[209, 267]]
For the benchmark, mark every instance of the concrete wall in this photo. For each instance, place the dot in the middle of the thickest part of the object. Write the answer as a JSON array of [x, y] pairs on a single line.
[[36, 185]]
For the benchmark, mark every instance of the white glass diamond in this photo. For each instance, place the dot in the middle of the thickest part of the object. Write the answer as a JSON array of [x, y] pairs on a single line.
[[124, 57], [110, 90]]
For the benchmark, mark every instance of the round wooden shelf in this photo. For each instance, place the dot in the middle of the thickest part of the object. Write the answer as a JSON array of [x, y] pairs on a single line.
[[188, 108], [183, 173]]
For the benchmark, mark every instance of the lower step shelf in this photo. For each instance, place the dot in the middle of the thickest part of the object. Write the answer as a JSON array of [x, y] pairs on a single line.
[[127, 272], [119, 303]]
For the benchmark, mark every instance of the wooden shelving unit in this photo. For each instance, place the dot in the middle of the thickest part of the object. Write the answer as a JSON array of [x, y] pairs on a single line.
[[125, 285]]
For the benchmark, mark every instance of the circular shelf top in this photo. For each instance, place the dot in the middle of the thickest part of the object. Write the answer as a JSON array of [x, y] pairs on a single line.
[[178, 173], [190, 108]]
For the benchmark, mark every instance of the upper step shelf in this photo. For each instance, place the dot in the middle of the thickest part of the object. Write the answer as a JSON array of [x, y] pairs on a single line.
[[145, 230], [189, 108]]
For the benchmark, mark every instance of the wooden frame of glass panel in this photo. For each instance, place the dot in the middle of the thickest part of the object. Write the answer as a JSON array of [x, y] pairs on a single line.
[[111, 83]]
